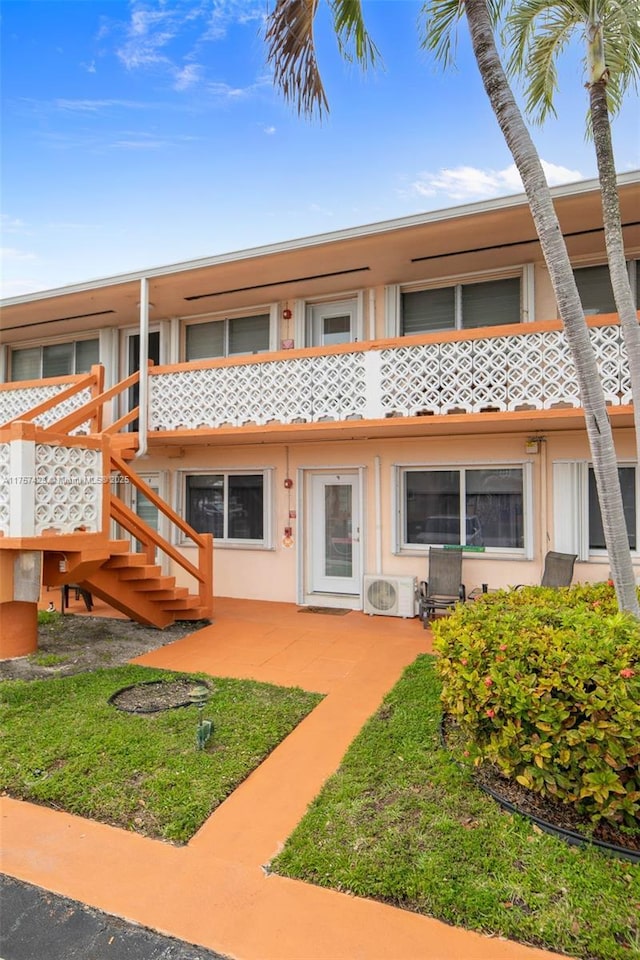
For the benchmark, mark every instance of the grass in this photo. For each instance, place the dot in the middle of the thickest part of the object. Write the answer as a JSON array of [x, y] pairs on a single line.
[[402, 823], [63, 745], [47, 659], [48, 616]]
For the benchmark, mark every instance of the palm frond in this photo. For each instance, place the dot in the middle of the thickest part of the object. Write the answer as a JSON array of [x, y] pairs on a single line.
[[291, 53], [439, 21], [291, 50], [537, 32], [353, 39], [621, 26]]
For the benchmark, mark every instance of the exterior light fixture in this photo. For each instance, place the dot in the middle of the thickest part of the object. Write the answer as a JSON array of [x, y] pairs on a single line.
[[199, 695]]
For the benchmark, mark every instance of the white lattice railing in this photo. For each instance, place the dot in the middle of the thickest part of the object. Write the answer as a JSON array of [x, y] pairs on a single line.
[[50, 487], [526, 369], [16, 400]]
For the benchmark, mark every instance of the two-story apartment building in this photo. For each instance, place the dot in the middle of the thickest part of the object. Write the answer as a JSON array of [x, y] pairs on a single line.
[[330, 407]]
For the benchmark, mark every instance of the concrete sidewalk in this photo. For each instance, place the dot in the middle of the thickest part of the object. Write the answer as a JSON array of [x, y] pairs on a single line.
[[215, 892]]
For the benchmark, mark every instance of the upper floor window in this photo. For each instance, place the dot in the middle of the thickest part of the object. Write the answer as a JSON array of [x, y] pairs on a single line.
[[230, 337], [465, 506], [54, 359], [594, 287], [463, 306], [596, 292]]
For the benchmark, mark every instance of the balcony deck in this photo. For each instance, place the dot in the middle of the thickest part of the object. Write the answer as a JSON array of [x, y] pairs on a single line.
[[435, 383], [492, 378]]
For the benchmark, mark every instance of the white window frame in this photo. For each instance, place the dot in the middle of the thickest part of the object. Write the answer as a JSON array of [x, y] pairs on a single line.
[[51, 342], [266, 543], [393, 295], [223, 317], [571, 509], [399, 471]]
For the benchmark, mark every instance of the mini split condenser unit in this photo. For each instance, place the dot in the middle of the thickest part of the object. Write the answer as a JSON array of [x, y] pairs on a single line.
[[390, 596]]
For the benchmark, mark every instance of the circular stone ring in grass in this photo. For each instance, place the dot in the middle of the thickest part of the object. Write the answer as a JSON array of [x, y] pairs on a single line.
[[152, 696]]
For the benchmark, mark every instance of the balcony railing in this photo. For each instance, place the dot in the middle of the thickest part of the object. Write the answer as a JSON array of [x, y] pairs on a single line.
[[48, 401], [514, 368]]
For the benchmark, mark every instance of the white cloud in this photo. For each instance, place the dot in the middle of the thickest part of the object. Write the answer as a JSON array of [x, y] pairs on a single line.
[[188, 76], [95, 106], [12, 224], [13, 255], [466, 183], [154, 25]]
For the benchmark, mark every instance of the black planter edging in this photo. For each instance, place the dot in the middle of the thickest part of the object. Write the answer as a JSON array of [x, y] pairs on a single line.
[[569, 836], [157, 683]]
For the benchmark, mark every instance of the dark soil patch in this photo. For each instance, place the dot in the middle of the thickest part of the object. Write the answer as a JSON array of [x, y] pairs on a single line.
[[83, 643], [554, 812], [157, 695]]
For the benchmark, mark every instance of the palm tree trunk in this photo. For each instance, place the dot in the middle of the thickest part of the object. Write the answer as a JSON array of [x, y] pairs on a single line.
[[557, 259], [601, 128]]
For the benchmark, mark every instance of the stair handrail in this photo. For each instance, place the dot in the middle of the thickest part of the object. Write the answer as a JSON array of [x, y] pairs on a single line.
[[93, 408], [94, 380], [127, 518]]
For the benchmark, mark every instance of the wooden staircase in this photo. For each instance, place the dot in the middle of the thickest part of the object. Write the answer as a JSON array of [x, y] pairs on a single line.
[[127, 582], [127, 577]]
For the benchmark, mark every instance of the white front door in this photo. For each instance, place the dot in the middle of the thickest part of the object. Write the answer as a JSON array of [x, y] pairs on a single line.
[[334, 534], [148, 511]]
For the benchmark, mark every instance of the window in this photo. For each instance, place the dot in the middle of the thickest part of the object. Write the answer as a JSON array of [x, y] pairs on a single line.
[[231, 506], [54, 360], [461, 307], [594, 287], [227, 338], [577, 517], [596, 292], [628, 486], [467, 506]]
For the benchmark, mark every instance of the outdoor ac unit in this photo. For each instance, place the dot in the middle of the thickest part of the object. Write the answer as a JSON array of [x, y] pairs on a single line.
[[390, 596]]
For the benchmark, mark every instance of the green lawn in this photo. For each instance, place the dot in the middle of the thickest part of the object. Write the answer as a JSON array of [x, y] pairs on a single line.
[[402, 823], [63, 745]]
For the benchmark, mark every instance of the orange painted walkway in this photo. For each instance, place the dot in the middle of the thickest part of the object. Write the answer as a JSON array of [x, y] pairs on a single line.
[[214, 891]]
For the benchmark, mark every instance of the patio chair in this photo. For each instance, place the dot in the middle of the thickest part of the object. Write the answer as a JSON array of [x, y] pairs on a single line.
[[558, 570], [444, 588]]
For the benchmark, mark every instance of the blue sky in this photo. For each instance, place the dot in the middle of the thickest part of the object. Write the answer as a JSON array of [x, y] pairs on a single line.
[[145, 133]]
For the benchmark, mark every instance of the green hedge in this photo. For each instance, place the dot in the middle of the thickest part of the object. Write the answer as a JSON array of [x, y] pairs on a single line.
[[546, 685]]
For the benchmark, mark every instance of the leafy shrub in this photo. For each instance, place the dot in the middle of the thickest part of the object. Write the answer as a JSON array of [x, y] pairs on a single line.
[[546, 685]]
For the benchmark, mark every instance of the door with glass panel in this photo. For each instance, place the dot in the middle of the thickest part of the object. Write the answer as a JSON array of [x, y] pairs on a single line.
[[332, 323], [147, 510], [132, 363], [334, 534]]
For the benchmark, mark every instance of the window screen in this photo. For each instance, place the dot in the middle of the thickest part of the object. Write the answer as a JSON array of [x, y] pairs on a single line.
[[424, 311], [594, 287], [249, 334], [205, 340], [491, 303]]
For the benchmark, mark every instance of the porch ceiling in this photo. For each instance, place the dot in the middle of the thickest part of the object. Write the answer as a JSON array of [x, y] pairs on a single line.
[[442, 244]]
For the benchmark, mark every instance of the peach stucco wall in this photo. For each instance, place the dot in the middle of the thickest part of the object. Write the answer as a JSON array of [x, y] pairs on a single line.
[[273, 573]]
